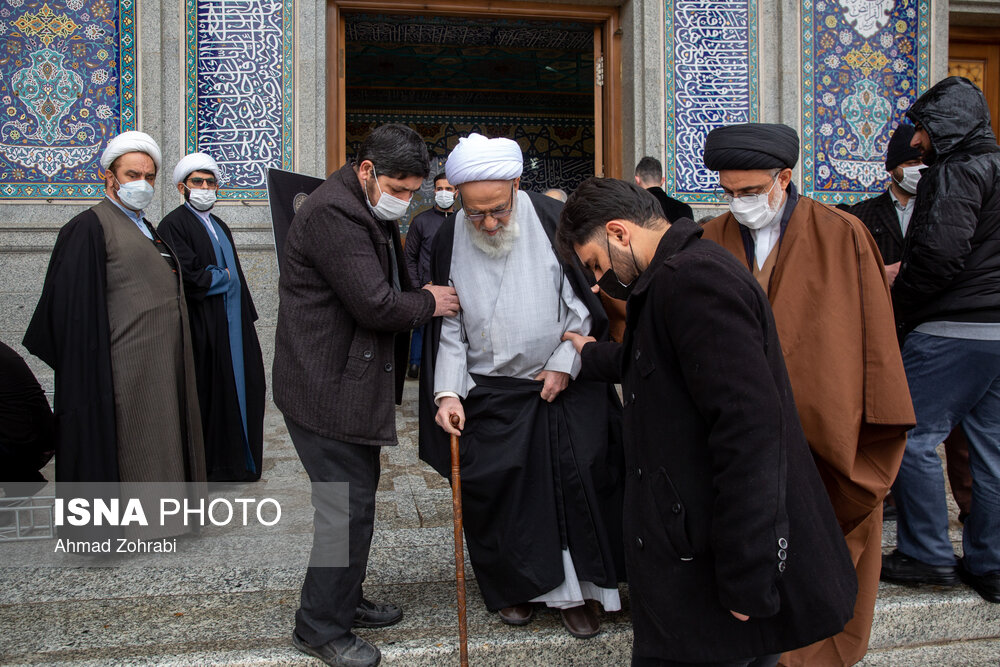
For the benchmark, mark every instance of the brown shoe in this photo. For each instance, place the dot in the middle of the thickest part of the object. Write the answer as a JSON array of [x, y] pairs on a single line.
[[581, 622], [519, 614]]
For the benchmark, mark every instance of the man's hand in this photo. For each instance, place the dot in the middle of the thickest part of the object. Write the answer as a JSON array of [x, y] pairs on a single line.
[[891, 271], [554, 381], [445, 300], [738, 616], [578, 340], [450, 406]]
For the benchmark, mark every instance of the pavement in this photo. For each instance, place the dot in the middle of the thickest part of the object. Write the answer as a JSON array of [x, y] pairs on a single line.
[[237, 606]]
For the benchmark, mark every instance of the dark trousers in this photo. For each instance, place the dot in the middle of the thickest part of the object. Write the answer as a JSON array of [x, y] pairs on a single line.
[[331, 594], [762, 661]]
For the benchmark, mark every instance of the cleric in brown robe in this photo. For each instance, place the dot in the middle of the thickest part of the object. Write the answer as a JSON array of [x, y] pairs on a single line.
[[826, 283], [112, 324]]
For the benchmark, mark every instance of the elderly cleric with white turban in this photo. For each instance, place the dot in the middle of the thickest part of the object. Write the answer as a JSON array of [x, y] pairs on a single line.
[[130, 162], [493, 364]]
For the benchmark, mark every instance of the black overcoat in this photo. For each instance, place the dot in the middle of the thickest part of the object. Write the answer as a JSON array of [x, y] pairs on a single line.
[[221, 421], [880, 217], [724, 508]]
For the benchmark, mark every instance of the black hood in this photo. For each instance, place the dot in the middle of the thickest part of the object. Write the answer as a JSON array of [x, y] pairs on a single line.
[[957, 119]]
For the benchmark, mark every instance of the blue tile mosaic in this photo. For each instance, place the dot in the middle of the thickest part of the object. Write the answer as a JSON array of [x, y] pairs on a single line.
[[239, 85], [864, 63], [67, 85], [711, 80]]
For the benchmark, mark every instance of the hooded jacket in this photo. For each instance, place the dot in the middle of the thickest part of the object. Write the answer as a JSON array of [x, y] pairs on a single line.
[[950, 267]]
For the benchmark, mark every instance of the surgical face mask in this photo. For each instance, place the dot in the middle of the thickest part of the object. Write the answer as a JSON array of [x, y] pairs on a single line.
[[911, 176], [754, 211], [202, 199], [136, 195], [610, 283], [444, 198], [388, 207]]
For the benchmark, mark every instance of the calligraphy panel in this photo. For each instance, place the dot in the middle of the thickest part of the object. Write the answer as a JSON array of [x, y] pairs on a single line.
[[67, 85], [711, 80], [239, 89], [864, 64]]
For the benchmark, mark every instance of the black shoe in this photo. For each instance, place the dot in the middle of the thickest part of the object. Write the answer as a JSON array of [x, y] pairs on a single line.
[[376, 614], [987, 585], [901, 569], [413, 371], [348, 651], [518, 614]]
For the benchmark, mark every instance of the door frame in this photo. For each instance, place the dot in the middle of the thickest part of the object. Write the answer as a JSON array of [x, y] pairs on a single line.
[[607, 123]]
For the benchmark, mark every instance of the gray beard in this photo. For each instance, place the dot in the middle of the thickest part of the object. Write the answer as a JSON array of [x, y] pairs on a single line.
[[499, 244]]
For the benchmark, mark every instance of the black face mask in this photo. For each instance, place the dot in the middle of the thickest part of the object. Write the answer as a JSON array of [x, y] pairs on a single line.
[[610, 283]]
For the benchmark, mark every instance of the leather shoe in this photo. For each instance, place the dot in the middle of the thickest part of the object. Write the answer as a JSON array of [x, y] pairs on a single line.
[[987, 585], [376, 614], [901, 569], [518, 614], [413, 371], [581, 621], [347, 651]]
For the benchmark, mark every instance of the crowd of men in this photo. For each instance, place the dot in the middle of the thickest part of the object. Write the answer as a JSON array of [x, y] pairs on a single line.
[[713, 413]]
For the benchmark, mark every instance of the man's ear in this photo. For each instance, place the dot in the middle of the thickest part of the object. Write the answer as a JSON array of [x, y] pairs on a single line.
[[619, 230]]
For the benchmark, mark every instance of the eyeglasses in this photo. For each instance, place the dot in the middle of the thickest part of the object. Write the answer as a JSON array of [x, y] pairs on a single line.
[[500, 216], [198, 181], [728, 198]]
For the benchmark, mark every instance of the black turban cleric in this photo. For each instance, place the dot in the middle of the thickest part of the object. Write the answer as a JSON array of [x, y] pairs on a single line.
[[752, 146]]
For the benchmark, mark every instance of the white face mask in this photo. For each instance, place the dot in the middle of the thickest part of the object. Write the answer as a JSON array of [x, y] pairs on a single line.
[[136, 195], [754, 211], [388, 207], [202, 199], [911, 176], [444, 199]]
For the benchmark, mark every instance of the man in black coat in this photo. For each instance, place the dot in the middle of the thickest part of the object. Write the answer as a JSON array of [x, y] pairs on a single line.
[[732, 548], [649, 175], [946, 300], [338, 362], [227, 357], [887, 216]]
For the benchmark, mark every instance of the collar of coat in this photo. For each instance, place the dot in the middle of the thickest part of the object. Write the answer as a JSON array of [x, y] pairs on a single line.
[[677, 237]]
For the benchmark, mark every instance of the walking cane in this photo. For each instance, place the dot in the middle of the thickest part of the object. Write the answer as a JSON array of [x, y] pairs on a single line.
[[456, 500]]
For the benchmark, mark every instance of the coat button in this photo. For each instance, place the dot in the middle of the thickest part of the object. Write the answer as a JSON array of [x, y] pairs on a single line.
[[632, 398], [638, 473], [781, 566], [638, 353], [782, 554], [388, 368], [367, 354], [638, 542], [676, 508], [782, 543]]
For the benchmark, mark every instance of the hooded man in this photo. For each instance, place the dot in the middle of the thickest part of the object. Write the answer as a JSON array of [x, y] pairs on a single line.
[[824, 278], [112, 324], [541, 485], [734, 554], [947, 306], [227, 354]]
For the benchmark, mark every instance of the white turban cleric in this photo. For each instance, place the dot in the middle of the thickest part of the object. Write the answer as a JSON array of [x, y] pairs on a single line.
[[192, 163], [477, 158], [131, 142]]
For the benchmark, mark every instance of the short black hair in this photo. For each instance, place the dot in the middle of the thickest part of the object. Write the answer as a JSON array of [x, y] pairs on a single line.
[[597, 201], [396, 150], [439, 177], [649, 169]]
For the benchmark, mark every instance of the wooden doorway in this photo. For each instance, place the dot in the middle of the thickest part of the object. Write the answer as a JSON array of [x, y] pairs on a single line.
[[975, 54], [606, 79]]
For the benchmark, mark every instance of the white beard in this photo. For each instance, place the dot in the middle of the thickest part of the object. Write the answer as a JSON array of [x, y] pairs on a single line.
[[500, 243]]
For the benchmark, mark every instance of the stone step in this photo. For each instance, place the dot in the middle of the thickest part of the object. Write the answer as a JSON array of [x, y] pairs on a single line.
[[169, 623]]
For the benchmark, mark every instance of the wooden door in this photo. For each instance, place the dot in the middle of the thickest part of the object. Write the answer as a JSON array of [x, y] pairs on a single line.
[[975, 54]]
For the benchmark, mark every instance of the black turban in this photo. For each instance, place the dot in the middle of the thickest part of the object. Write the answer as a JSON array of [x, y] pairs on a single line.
[[899, 150], [752, 146]]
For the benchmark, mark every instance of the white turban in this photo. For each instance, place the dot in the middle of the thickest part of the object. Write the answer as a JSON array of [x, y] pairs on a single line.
[[131, 142], [477, 158], [192, 163]]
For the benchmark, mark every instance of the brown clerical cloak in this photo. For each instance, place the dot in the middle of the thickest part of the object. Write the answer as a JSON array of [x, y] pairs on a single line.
[[834, 315]]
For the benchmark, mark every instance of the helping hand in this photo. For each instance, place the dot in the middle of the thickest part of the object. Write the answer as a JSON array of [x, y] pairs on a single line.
[[578, 340]]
